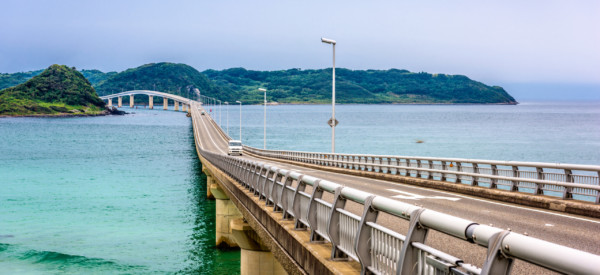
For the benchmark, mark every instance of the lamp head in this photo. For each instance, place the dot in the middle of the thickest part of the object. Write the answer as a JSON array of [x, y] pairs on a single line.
[[237, 101], [328, 41], [262, 89]]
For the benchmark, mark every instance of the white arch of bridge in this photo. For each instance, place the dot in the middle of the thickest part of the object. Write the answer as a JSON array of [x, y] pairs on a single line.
[[177, 99]]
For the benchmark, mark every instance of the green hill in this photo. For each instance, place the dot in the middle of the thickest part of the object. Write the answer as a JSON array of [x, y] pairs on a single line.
[[291, 86], [96, 77], [178, 79], [357, 86], [57, 90], [9, 80]]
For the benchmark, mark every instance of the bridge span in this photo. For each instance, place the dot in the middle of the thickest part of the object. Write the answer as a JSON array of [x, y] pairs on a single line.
[[322, 221], [177, 100], [308, 213]]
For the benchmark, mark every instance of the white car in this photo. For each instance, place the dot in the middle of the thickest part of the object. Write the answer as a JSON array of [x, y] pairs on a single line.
[[235, 147]]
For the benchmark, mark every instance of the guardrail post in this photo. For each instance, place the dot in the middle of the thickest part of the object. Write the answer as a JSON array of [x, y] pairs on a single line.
[[540, 175], [494, 181], [276, 178], [497, 262], [267, 191], [444, 168], [362, 245], [333, 228], [409, 256], [475, 181], [287, 181], [567, 191], [458, 169], [429, 166], [312, 212], [298, 225], [515, 184], [418, 171]]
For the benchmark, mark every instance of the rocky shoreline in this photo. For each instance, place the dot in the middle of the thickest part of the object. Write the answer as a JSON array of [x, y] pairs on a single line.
[[108, 111]]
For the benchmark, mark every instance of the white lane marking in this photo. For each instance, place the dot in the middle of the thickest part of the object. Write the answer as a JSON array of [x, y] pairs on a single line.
[[195, 114], [211, 139], [411, 196], [549, 224], [462, 196]]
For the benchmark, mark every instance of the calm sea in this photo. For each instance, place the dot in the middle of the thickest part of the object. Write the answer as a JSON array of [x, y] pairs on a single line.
[[125, 194]]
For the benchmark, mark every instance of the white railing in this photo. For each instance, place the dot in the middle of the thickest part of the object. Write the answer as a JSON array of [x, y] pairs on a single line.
[[381, 250], [568, 181]]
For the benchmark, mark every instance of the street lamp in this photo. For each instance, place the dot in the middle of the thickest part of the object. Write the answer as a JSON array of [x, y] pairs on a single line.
[[332, 122], [237, 101], [265, 121], [227, 107], [219, 113]]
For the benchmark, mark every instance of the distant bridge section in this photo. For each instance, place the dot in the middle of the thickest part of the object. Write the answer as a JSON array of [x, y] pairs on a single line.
[[185, 102]]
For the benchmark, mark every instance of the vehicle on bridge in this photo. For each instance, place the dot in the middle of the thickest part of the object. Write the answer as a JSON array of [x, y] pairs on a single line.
[[235, 147]]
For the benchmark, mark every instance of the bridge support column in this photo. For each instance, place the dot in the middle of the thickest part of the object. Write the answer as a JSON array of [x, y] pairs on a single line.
[[151, 102], [110, 102], [176, 106], [131, 101], [165, 103], [183, 107], [226, 211], [120, 102], [255, 256]]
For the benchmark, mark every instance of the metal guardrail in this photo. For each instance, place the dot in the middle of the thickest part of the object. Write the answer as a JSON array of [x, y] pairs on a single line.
[[568, 181], [381, 250]]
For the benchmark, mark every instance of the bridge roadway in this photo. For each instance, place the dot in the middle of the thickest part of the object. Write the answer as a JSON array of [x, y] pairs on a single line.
[[565, 229]]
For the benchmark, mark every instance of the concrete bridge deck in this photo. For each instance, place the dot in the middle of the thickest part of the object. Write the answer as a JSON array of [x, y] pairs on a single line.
[[565, 229]]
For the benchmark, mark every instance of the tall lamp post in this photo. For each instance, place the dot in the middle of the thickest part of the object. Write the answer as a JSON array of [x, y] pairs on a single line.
[[227, 107], [237, 101], [220, 116], [265, 121], [332, 122]]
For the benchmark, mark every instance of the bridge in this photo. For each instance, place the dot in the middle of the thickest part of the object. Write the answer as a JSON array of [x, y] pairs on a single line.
[[319, 213], [185, 102]]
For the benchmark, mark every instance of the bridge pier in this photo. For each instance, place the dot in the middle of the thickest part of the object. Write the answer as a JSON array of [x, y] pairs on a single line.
[[226, 212], [255, 256], [120, 102], [165, 103], [110, 102], [176, 106], [183, 107], [131, 101], [151, 102]]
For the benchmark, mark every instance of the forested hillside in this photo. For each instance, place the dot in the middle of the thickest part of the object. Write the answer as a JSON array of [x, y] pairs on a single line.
[[357, 86], [58, 89]]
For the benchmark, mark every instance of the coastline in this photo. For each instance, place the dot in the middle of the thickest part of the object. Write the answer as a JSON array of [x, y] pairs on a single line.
[[62, 115]]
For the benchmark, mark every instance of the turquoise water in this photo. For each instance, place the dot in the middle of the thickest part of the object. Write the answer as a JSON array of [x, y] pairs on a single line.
[[125, 194], [114, 194]]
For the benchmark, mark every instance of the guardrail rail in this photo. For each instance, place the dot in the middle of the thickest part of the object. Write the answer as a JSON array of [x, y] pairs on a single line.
[[568, 181]]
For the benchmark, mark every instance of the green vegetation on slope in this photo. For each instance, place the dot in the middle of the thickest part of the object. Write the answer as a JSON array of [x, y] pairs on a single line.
[[291, 86], [96, 77], [178, 79], [58, 89], [357, 86], [9, 80]]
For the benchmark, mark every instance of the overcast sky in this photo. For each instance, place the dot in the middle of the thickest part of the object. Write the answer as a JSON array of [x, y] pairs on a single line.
[[491, 41]]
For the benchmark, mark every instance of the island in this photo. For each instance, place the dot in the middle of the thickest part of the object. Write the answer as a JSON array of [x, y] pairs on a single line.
[[57, 91], [291, 86]]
